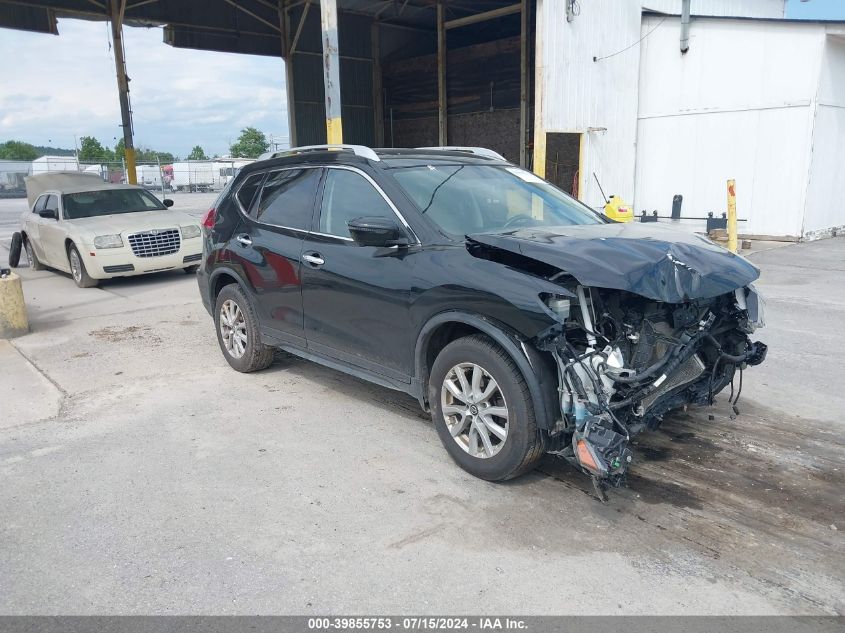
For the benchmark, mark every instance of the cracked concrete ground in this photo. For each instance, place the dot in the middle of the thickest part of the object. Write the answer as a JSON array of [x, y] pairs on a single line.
[[142, 475]]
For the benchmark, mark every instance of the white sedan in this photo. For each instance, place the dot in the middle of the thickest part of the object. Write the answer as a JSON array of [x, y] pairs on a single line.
[[95, 230]]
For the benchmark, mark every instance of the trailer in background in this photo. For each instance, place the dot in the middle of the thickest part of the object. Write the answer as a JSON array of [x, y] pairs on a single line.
[[228, 168], [193, 175]]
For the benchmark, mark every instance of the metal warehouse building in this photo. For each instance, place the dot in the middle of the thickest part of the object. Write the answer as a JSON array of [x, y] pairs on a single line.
[[651, 98]]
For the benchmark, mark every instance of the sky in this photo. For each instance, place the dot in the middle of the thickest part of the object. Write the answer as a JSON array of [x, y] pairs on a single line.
[[816, 9], [58, 87]]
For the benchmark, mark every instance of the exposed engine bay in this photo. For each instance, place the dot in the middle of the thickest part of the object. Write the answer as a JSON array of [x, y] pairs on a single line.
[[624, 361]]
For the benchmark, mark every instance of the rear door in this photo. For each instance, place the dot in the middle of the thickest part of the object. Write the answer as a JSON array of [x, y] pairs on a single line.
[[269, 246], [357, 298]]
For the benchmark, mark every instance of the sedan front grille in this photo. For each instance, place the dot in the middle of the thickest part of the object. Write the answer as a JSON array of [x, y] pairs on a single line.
[[155, 243]]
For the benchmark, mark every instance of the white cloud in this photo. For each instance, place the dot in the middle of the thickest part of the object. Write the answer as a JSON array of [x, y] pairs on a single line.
[[63, 86]]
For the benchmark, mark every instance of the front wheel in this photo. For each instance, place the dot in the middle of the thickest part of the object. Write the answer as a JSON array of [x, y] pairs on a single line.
[[482, 409], [77, 269], [34, 263]]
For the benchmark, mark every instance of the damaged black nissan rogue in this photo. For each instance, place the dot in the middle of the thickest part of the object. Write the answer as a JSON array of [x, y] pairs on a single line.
[[525, 322]]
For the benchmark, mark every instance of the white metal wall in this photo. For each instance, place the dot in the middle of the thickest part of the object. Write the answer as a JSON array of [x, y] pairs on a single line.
[[824, 209], [732, 8], [599, 98], [740, 104]]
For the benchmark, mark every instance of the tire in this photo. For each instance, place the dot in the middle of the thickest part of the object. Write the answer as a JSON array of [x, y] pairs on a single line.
[[522, 446], [191, 270], [34, 264], [15, 250], [77, 269], [243, 355]]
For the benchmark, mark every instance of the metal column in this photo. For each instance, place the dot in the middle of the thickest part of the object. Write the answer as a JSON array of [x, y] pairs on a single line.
[[378, 93], [539, 89], [287, 55], [117, 8], [523, 84], [331, 71], [442, 112]]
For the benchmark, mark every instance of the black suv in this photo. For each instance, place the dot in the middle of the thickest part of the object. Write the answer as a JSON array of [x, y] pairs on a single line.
[[522, 319]]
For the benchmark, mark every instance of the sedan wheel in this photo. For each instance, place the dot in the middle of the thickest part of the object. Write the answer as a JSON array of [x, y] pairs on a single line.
[[475, 410], [233, 328]]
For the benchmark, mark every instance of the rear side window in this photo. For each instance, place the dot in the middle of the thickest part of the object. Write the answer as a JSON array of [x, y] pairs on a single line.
[[246, 193], [347, 196], [287, 198]]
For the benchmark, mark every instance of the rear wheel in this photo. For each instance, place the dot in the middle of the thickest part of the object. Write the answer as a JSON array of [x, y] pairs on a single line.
[[482, 410], [15, 250], [77, 269], [237, 331], [34, 264]]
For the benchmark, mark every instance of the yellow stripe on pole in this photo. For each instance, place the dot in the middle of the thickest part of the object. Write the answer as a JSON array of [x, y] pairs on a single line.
[[129, 158], [334, 131], [732, 241]]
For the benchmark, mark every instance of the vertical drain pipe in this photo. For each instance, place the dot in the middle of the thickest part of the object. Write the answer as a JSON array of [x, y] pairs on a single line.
[[685, 9]]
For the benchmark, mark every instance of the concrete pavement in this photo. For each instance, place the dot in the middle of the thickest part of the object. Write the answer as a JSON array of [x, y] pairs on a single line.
[[148, 477]]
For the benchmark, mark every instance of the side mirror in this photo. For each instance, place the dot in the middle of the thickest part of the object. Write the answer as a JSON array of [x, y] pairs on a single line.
[[377, 231], [167, 202], [49, 214]]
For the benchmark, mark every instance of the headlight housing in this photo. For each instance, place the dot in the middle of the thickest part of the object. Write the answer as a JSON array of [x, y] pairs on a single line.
[[192, 230], [108, 241], [756, 306]]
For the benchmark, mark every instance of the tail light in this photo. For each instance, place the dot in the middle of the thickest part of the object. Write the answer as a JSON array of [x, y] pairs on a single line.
[[209, 218]]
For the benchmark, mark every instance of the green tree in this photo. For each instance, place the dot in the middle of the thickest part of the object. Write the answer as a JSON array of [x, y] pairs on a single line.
[[250, 144], [120, 150], [18, 150], [197, 154], [92, 151]]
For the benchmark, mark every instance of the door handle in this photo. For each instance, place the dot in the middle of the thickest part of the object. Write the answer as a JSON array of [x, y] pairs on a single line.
[[244, 240], [314, 259]]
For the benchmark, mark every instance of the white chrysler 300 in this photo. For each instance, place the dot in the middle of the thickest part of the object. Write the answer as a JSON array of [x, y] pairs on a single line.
[[95, 230]]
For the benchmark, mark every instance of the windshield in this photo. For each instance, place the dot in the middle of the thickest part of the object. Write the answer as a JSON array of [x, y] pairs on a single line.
[[466, 199], [89, 204]]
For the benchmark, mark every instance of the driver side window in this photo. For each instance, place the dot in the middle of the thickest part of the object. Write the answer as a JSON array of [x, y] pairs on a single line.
[[348, 195], [39, 204]]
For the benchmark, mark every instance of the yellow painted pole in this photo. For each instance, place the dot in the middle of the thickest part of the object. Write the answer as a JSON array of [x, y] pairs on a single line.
[[13, 321], [732, 243], [331, 71], [539, 90]]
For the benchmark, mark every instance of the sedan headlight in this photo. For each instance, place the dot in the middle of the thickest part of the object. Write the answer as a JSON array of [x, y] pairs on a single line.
[[108, 241], [192, 230], [756, 306]]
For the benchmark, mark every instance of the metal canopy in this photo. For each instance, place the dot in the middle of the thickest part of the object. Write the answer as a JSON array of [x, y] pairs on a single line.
[[232, 26]]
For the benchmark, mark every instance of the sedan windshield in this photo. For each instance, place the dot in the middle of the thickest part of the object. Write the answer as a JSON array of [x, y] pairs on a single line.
[[466, 199], [89, 204]]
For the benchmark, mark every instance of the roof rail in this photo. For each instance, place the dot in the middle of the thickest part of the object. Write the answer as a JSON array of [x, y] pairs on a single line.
[[358, 150], [478, 151]]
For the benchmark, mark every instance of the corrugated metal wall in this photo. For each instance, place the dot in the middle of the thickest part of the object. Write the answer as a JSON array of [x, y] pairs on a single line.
[[739, 104], [600, 98], [356, 79], [733, 8], [827, 170]]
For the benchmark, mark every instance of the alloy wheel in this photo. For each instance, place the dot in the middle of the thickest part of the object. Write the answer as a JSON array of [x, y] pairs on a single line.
[[233, 328], [75, 266], [475, 410]]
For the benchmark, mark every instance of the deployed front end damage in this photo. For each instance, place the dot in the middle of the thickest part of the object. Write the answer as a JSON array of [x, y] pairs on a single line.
[[648, 320], [623, 361]]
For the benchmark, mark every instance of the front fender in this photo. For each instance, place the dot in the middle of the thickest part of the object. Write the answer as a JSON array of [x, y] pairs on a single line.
[[536, 368]]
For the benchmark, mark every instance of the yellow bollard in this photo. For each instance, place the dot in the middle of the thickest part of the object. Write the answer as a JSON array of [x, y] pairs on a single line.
[[732, 216], [13, 321]]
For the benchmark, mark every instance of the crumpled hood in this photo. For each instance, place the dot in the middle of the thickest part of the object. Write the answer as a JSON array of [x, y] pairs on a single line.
[[651, 260]]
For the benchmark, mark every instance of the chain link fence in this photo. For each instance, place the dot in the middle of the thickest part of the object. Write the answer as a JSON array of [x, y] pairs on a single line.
[[182, 176]]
